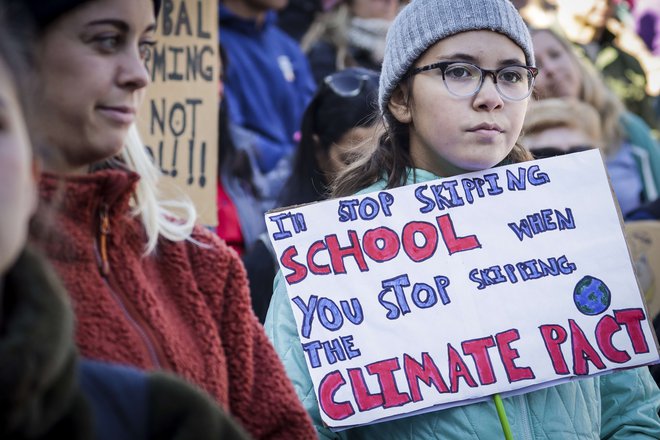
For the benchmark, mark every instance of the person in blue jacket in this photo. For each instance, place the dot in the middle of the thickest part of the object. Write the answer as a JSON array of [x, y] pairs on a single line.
[[454, 89], [268, 82]]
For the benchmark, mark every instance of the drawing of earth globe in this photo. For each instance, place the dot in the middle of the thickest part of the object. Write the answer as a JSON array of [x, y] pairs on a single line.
[[591, 296]]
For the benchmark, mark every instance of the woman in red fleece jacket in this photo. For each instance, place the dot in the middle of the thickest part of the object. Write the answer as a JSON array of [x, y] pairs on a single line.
[[149, 290]]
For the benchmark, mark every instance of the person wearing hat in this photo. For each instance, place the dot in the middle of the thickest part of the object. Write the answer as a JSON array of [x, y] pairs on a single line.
[[454, 87], [150, 288]]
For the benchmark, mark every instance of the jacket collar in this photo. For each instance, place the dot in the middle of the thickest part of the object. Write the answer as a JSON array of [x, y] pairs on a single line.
[[84, 194]]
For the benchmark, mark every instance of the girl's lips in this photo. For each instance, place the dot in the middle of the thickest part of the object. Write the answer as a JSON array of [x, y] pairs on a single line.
[[487, 132], [486, 129]]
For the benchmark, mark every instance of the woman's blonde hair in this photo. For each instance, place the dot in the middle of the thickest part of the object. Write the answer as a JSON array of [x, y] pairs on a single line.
[[174, 219], [594, 92]]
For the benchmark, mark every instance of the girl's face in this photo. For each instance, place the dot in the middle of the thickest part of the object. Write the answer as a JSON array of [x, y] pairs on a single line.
[[559, 75], [92, 71], [451, 135], [17, 180]]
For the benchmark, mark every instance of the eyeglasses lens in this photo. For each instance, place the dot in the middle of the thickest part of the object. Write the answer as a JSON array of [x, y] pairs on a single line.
[[513, 82]]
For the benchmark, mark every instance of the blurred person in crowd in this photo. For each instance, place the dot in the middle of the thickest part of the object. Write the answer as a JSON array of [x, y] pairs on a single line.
[[557, 126], [267, 81], [336, 122], [296, 18], [632, 156], [46, 390], [615, 49], [150, 288], [350, 34], [245, 192]]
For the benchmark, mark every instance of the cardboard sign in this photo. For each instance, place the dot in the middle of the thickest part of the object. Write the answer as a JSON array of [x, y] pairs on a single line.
[[445, 292], [179, 117]]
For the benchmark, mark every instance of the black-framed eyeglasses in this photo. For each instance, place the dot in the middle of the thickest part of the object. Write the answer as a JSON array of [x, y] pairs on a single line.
[[463, 80], [543, 152], [350, 82]]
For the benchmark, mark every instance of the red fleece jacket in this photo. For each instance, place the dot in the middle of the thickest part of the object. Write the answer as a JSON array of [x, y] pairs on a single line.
[[186, 308]]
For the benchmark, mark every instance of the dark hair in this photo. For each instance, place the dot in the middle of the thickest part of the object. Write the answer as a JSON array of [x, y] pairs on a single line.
[[331, 113], [391, 157]]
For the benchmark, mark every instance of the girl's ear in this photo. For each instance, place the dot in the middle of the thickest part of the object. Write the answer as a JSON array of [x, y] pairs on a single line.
[[398, 105]]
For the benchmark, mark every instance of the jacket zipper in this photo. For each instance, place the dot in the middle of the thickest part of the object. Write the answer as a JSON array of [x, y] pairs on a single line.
[[524, 418], [154, 351]]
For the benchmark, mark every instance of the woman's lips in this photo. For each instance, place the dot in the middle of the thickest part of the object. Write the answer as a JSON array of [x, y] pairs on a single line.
[[119, 114]]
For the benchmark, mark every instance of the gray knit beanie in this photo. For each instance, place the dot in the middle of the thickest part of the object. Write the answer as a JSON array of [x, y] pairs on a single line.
[[423, 23]]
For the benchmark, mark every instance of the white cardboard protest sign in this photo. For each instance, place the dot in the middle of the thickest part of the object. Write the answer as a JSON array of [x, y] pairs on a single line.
[[439, 293]]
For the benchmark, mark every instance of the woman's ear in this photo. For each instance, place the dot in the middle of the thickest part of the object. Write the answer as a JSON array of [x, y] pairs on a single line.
[[398, 104]]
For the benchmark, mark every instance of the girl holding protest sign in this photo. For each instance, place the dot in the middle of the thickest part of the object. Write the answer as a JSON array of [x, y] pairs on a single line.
[[149, 289], [454, 89]]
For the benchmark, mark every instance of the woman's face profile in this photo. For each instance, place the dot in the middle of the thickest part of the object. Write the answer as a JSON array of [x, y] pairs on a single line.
[[92, 71]]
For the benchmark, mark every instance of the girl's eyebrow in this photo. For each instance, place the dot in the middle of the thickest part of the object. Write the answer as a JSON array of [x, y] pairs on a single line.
[[458, 56], [119, 24]]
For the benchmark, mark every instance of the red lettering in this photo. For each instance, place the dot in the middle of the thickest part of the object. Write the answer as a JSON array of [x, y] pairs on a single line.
[[388, 237], [458, 369], [632, 319], [313, 267], [427, 372], [338, 253], [455, 244], [384, 370], [478, 349], [553, 337], [509, 355], [327, 389], [583, 351], [605, 329], [365, 400], [299, 270], [417, 253]]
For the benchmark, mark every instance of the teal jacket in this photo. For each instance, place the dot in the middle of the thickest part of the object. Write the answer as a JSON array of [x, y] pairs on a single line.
[[621, 405]]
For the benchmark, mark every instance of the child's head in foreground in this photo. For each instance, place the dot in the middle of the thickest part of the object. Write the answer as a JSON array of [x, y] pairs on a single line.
[[454, 88]]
